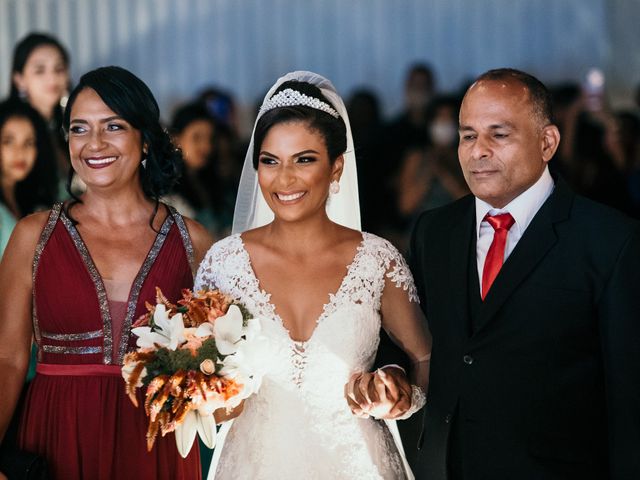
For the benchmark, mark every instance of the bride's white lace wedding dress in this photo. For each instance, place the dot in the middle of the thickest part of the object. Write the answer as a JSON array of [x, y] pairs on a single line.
[[299, 424]]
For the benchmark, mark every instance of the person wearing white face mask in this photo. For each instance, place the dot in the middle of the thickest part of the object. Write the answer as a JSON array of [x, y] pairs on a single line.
[[431, 177]]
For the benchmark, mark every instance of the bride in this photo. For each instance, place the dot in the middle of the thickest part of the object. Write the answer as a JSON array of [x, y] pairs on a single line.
[[323, 288]]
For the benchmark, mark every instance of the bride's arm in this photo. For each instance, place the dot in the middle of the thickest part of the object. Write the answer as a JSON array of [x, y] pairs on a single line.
[[388, 393], [404, 321], [205, 280]]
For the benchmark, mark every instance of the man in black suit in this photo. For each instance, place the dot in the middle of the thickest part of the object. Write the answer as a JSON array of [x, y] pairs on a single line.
[[532, 295]]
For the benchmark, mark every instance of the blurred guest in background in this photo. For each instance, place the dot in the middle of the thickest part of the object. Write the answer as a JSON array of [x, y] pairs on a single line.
[[228, 154], [193, 130], [40, 77], [27, 174], [409, 128], [366, 126], [406, 132], [224, 175], [221, 106], [629, 136], [591, 155], [431, 177]]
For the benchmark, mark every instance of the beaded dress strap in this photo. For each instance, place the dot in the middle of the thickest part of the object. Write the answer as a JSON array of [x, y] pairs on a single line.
[[54, 215], [186, 238]]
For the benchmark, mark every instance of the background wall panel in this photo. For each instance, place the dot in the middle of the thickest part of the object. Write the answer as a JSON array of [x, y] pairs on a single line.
[[179, 46]]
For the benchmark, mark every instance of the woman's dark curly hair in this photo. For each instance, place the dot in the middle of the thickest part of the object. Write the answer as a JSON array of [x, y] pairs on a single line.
[[39, 188], [333, 130], [129, 97]]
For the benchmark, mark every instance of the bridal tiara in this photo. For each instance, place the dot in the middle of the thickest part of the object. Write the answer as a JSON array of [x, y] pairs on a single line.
[[294, 98]]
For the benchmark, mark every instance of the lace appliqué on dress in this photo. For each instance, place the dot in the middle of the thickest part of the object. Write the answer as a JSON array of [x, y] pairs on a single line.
[[299, 423]]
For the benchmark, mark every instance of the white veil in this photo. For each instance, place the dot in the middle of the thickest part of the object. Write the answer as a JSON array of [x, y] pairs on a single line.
[[252, 210]]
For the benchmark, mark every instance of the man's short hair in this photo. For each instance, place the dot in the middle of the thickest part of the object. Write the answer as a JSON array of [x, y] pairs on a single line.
[[538, 93]]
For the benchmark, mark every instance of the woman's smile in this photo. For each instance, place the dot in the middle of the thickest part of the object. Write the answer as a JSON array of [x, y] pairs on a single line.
[[99, 162], [289, 198]]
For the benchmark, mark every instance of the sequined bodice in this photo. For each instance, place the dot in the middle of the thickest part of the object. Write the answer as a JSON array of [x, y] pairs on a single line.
[[71, 314]]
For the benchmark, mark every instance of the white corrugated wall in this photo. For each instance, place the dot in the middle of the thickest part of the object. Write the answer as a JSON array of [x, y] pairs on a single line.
[[179, 46]]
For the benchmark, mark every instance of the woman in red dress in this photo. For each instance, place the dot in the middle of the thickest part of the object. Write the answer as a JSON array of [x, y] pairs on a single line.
[[78, 276]]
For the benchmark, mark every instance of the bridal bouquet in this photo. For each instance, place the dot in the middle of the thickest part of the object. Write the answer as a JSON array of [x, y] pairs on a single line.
[[200, 355]]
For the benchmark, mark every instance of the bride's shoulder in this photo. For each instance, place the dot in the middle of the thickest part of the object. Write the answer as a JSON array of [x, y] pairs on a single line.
[[225, 246], [385, 253], [223, 257], [378, 244]]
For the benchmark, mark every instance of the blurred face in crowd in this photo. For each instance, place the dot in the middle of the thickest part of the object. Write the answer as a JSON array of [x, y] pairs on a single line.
[[44, 78], [443, 130], [419, 89], [294, 171], [504, 145], [105, 149], [196, 142], [18, 149]]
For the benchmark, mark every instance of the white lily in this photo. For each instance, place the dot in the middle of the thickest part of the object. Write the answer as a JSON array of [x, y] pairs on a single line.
[[167, 332], [195, 423], [253, 328], [226, 329], [250, 362]]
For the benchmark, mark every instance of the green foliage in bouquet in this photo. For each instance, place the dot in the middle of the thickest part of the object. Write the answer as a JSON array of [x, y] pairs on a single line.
[[167, 362]]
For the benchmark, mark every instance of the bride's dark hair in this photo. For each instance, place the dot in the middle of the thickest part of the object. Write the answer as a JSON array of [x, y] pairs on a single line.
[[333, 130]]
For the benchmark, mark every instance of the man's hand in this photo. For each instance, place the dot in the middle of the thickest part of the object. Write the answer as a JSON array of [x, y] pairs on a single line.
[[382, 394], [222, 414]]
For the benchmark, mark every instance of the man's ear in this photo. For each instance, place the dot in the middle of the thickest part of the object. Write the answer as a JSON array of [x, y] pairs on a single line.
[[550, 139]]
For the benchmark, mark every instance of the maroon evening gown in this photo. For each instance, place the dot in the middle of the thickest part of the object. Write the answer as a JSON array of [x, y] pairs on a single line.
[[77, 414]]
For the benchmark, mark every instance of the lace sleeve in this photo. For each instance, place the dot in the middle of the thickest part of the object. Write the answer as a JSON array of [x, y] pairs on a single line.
[[396, 269], [401, 277], [402, 317], [204, 277]]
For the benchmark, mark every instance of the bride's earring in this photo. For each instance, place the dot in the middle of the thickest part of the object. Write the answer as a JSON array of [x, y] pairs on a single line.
[[144, 158], [334, 187]]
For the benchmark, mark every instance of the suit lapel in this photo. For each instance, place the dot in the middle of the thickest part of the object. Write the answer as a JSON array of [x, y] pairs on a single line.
[[462, 235], [536, 242]]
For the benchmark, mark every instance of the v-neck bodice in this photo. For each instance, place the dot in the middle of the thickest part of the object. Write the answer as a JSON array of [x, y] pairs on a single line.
[[326, 307], [72, 318]]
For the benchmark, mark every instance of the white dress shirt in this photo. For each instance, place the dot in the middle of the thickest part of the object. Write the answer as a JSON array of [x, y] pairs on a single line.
[[522, 208]]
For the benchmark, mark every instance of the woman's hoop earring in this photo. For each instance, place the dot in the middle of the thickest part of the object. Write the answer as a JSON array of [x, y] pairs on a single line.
[[334, 187]]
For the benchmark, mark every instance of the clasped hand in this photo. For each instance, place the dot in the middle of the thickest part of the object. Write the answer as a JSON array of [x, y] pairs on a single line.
[[223, 414], [383, 394]]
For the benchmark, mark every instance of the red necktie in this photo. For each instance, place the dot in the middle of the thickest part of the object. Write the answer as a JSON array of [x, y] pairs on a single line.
[[495, 256]]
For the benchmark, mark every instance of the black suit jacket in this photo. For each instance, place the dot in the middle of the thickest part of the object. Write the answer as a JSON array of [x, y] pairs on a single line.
[[546, 383]]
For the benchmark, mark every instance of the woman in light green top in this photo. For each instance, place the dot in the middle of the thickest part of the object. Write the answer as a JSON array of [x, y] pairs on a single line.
[[7, 222], [28, 180], [27, 170]]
